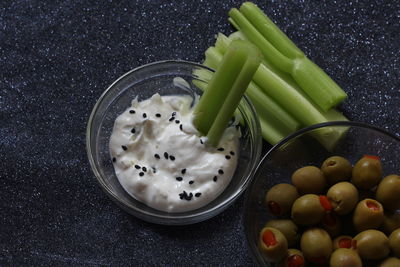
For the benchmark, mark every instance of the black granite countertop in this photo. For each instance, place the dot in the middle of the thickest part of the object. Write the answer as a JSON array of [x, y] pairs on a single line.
[[57, 57]]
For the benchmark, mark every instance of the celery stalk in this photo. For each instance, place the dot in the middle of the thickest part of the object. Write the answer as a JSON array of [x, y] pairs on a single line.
[[270, 31], [225, 89], [284, 54], [268, 50], [266, 107]]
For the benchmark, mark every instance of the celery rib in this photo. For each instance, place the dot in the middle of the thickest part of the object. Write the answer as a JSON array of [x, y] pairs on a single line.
[[267, 109], [225, 89], [281, 52]]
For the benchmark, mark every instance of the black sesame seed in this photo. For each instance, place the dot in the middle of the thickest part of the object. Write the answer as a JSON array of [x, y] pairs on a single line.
[[141, 173], [232, 153], [228, 157], [165, 155], [201, 141], [157, 156], [158, 115], [177, 121], [220, 171], [197, 194], [132, 111], [221, 149], [114, 159], [172, 158], [144, 169], [124, 147], [191, 182], [180, 127], [215, 178], [189, 197], [133, 130], [172, 118], [173, 114], [137, 167], [154, 170], [183, 171], [144, 115], [179, 178]]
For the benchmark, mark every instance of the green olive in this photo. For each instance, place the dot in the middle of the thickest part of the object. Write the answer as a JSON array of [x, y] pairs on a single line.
[[394, 242], [336, 169], [273, 244], [294, 258], [288, 228], [344, 257], [279, 198], [388, 192], [390, 262], [391, 221], [343, 197], [367, 172], [316, 245], [307, 210], [309, 180], [372, 245], [332, 224], [368, 214], [343, 241]]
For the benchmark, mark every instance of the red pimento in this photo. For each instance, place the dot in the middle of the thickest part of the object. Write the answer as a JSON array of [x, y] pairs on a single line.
[[274, 208], [345, 242], [373, 206], [269, 238], [372, 157], [325, 203], [295, 261]]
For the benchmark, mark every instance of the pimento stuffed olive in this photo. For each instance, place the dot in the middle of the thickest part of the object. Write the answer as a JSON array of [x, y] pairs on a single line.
[[273, 244], [288, 228], [280, 197], [372, 245], [394, 242], [344, 257], [388, 192], [367, 172], [343, 197], [309, 180], [316, 245], [368, 214], [307, 210], [336, 169]]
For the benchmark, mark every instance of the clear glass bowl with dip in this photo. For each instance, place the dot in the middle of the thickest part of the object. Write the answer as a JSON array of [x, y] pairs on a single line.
[[302, 149], [165, 78]]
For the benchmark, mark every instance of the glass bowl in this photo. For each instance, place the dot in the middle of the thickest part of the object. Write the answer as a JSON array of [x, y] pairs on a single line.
[[303, 148], [142, 83]]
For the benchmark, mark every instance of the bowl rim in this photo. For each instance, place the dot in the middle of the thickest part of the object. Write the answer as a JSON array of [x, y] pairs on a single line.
[[172, 218], [359, 124]]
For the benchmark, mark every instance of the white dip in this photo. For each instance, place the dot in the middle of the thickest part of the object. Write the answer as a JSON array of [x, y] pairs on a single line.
[[161, 160]]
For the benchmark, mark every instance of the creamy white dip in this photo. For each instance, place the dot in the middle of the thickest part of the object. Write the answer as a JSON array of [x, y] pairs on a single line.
[[161, 160]]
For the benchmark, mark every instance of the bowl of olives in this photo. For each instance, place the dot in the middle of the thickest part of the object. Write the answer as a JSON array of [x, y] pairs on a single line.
[[327, 195]]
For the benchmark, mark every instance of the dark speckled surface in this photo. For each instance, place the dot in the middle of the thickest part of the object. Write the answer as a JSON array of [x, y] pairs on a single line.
[[57, 57]]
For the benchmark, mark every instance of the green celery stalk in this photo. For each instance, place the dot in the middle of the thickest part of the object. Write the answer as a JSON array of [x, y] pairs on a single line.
[[282, 53], [226, 88], [267, 109]]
